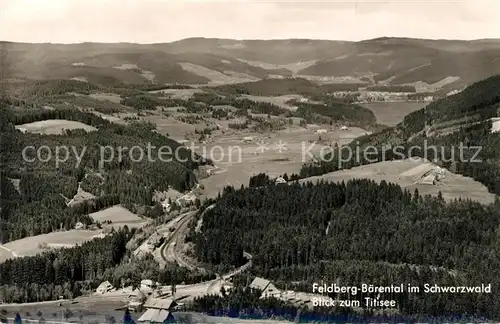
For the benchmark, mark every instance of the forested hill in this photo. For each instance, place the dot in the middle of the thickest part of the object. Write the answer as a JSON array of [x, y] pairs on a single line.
[[460, 119], [477, 102], [360, 232], [38, 205]]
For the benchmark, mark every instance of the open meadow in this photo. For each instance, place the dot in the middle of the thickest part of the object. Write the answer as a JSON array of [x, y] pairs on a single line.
[[33, 245], [409, 175], [118, 216], [54, 126], [280, 101]]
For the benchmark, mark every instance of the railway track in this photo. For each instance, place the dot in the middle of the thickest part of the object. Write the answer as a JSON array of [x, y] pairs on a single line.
[[169, 252]]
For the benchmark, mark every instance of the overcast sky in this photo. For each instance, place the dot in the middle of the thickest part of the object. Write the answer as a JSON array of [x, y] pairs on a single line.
[[155, 21]]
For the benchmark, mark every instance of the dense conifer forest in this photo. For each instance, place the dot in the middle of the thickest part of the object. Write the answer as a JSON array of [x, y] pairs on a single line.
[[65, 272], [359, 232]]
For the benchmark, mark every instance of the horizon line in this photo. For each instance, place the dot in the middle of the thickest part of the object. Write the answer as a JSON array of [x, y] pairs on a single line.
[[257, 39]]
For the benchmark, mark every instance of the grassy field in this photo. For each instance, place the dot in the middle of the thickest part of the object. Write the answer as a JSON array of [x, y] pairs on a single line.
[[408, 173], [238, 161], [174, 128], [392, 113], [119, 216], [292, 67], [216, 77], [35, 244], [54, 126], [86, 309]]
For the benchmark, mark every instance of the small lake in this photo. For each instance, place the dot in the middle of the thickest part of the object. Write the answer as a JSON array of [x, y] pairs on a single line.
[[392, 113]]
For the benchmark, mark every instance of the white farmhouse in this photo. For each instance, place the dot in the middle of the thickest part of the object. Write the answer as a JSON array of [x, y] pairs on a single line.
[[148, 284], [104, 287], [166, 206], [267, 288], [79, 226], [136, 299], [280, 180]]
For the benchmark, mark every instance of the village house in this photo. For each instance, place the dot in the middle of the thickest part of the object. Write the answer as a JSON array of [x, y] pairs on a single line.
[[155, 241], [248, 139], [161, 303], [158, 311], [79, 226], [166, 206], [136, 300], [186, 200], [141, 253], [267, 288], [148, 284], [280, 180]]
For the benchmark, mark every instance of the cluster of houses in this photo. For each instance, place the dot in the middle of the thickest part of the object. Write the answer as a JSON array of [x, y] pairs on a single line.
[[149, 296], [157, 303], [186, 200], [381, 96]]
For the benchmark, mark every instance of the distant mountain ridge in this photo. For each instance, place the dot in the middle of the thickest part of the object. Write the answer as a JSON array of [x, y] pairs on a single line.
[[383, 60]]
